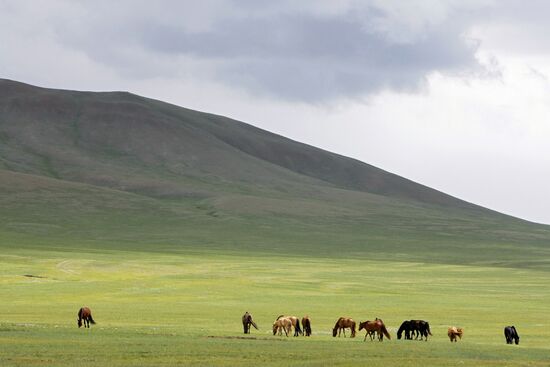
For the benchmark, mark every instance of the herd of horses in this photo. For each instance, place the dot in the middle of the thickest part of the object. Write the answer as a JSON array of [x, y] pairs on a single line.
[[409, 329]]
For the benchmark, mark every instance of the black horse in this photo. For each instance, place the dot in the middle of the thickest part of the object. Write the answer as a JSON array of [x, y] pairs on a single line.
[[511, 334], [405, 327], [247, 321], [414, 328]]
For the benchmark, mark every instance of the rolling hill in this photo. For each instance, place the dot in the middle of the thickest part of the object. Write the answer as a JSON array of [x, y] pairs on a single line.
[[116, 170]]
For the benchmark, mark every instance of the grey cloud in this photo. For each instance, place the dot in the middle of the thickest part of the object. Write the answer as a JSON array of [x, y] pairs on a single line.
[[315, 59], [290, 55]]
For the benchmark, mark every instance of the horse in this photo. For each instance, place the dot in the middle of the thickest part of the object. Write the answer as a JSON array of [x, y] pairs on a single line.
[[247, 321], [342, 324], [282, 324], [422, 329], [85, 317], [306, 324], [374, 326], [405, 327], [295, 323], [511, 335], [453, 332]]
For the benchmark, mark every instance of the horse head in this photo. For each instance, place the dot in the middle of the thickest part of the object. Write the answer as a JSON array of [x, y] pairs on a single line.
[[79, 322]]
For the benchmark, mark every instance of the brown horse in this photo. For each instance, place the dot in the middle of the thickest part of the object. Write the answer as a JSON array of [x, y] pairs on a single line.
[[372, 327], [453, 332], [306, 324], [295, 323], [282, 324], [247, 321], [342, 324], [85, 316]]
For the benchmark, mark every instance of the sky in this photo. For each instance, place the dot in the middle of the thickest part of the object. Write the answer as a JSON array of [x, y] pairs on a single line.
[[451, 94]]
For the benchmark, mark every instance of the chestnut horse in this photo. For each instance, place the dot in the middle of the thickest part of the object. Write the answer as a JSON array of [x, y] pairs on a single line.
[[374, 326], [306, 324], [453, 332], [282, 324], [247, 321], [295, 323], [342, 324], [85, 316]]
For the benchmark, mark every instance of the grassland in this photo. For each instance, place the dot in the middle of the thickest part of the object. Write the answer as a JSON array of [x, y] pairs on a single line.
[[171, 223], [184, 309]]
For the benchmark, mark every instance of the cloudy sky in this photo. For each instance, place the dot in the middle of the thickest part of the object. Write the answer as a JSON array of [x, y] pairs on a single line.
[[451, 94]]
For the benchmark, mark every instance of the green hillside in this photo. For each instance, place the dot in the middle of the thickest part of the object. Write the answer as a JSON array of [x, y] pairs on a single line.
[[115, 170]]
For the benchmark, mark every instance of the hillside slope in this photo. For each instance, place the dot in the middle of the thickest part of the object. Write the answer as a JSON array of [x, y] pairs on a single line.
[[115, 169], [81, 136]]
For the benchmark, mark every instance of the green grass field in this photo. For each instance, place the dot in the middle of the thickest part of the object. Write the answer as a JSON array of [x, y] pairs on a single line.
[[185, 308], [171, 223]]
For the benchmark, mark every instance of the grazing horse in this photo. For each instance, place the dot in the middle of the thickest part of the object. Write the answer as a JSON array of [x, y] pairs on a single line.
[[247, 321], [453, 332], [414, 328], [405, 327], [511, 335], [295, 323], [422, 329], [342, 324], [85, 316], [282, 324], [372, 327], [306, 324]]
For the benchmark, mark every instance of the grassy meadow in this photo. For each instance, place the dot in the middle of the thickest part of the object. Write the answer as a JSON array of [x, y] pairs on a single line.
[[184, 309], [170, 224]]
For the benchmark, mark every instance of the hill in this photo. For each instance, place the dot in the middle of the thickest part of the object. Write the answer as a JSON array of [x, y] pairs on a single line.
[[118, 170]]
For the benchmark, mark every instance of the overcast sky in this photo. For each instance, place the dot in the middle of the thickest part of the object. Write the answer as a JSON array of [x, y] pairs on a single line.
[[451, 94]]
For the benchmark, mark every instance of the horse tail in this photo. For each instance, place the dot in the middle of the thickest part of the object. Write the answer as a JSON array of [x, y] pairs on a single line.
[[428, 329], [92, 319], [353, 329], [254, 324], [278, 317], [385, 331]]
